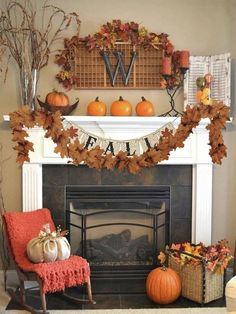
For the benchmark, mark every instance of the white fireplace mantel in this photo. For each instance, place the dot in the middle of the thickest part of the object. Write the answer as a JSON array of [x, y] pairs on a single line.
[[195, 152]]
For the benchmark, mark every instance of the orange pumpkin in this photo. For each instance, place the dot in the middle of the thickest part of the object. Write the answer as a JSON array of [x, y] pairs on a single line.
[[144, 108], [163, 285], [121, 107], [58, 99], [96, 108]]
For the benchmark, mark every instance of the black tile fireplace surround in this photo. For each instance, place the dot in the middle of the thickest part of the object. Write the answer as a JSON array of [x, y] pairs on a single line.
[[179, 178], [172, 181]]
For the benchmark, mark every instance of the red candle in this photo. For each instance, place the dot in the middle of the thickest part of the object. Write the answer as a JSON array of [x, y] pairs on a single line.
[[166, 66], [184, 59]]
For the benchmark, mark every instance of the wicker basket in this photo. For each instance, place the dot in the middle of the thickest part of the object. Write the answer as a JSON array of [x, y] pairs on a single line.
[[199, 284]]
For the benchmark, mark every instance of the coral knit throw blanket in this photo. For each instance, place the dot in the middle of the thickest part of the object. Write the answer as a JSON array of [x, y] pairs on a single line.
[[55, 276]]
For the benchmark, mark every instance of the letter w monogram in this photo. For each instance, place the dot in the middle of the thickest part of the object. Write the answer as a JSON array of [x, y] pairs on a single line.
[[119, 66]]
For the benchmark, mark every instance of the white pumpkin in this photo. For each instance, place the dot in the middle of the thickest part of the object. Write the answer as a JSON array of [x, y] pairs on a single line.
[[48, 249]]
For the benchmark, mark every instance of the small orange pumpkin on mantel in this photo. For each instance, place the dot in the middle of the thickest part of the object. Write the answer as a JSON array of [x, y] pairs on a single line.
[[144, 108], [96, 108], [163, 285], [58, 99], [121, 107]]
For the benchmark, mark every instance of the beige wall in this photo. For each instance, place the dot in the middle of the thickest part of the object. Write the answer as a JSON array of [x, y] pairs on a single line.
[[205, 27]]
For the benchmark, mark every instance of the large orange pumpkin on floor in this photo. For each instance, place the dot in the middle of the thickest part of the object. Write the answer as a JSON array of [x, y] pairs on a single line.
[[144, 108], [121, 107], [58, 99], [163, 285], [96, 108]]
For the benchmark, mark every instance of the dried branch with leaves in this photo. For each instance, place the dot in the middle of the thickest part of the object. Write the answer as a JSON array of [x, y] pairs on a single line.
[[28, 43]]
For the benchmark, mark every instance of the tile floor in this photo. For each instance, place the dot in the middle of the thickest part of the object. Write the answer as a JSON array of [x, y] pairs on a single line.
[[108, 301]]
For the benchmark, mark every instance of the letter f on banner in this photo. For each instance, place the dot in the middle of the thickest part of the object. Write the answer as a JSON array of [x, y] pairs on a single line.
[[119, 66]]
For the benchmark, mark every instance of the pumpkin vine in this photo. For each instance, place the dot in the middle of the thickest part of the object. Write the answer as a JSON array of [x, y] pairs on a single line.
[[68, 145]]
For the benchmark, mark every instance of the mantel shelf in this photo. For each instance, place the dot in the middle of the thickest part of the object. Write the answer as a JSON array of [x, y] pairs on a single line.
[[124, 122], [115, 119]]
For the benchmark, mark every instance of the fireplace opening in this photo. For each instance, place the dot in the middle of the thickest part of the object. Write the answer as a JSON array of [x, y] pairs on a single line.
[[118, 226]]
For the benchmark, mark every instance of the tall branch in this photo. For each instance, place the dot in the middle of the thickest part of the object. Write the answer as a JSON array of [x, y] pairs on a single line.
[[19, 31]]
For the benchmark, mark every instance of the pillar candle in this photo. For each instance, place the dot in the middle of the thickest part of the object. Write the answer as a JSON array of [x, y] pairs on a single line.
[[184, 59], [166, 66]]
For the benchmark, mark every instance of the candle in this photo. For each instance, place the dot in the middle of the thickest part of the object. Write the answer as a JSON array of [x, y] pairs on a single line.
[[166, 66], [184, 59]]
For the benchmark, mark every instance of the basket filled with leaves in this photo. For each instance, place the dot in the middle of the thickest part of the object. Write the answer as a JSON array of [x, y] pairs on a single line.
[[201, 269]]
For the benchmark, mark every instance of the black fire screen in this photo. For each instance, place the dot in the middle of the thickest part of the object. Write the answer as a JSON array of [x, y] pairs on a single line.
[[118, 226]]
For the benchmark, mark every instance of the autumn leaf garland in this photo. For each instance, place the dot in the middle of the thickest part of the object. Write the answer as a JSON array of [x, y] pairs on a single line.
[[68, 145]]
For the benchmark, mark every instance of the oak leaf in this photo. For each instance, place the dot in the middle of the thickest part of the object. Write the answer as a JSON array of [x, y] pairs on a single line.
[[19, 135], [43, 119], [21, 158], [77, 152], [143, 161], [133, 165], [29, 146], [72, 132], [154, 155], [62, 149], [109, 161], [94, 158], [16, 120]]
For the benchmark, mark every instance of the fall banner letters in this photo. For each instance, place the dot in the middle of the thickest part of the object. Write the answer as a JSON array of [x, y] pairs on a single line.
[[130, 146]]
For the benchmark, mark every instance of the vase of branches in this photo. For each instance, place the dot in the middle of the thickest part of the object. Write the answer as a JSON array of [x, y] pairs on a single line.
[[27, 43], [28, 86]]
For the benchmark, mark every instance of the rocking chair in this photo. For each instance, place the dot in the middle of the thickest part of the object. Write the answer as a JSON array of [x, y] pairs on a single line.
[[51, 277]]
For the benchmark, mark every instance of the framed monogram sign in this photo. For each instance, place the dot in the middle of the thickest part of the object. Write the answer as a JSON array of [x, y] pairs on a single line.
[[125, 67]]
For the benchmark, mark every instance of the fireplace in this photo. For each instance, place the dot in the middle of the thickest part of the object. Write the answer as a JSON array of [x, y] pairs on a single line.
[[120, 221], [117, 201], [118, 225], [118, 228], [191, 213]]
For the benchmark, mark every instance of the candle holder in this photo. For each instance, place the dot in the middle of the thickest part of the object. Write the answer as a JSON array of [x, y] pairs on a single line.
[[173, 112]]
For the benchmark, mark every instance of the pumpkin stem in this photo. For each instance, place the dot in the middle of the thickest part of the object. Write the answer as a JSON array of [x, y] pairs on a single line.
[[121, 98], [164, 268], [97, 98], [143, 98]]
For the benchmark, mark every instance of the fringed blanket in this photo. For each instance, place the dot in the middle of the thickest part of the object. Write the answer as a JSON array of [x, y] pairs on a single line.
[[55, 276]]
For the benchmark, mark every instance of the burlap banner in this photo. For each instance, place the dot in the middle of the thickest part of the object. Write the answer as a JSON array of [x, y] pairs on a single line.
[[132, 146]]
